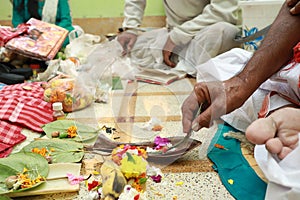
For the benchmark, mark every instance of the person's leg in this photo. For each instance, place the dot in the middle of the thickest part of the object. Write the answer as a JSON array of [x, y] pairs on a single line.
[[208, 43], [279, 131]]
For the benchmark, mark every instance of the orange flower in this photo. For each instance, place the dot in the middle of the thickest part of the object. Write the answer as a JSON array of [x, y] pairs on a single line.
[[72, 131], [42, 151], [220, 146], [26, 182]]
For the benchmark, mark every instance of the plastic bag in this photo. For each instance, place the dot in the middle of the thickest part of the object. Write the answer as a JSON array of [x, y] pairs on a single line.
[[71, 92], [82, 46], [97, 71]]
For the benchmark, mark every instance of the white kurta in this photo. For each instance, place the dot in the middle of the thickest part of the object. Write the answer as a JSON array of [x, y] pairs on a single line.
[[204, 28]]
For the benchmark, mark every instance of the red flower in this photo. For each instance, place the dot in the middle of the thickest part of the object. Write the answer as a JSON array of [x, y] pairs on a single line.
[[136, 197], [93, 185]]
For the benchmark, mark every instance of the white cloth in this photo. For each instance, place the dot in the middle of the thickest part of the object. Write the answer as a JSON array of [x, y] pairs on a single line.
[[226, 65], [283, 176], [49, 11], [209, 42], [203, 29], [188, 16], [223, 66]]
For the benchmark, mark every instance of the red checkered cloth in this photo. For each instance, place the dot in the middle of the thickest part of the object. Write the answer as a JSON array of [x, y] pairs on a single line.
[[21, 106], [10, 135], [7, 33]]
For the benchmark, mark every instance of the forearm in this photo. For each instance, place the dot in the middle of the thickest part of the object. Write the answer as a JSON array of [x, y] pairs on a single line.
[[17, 15], [64, 18], [275, 50], [133, 13]]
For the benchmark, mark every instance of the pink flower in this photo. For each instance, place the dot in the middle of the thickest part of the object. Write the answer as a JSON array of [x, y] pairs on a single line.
[[161, 142], [73, 180], [156, 179]]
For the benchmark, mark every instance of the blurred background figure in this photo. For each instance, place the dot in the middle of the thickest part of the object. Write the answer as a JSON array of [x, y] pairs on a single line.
[[50, 11]]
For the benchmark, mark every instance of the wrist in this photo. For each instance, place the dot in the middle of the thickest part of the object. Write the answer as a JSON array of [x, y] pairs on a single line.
[[129, 30], [237, 91]]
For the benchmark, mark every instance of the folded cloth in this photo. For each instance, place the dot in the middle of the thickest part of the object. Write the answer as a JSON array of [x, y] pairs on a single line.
[[21, 106], [10, 135], [234, 170], [7, 33], [283, 175]]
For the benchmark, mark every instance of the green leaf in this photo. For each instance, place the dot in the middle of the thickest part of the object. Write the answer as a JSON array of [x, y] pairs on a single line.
[[130, 158], [15, 163], [142, 180], [64, 150], [6, 171], [84, 132]]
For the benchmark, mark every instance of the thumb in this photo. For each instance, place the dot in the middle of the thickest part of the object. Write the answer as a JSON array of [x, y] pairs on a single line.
[[202, 120], [130, 44]]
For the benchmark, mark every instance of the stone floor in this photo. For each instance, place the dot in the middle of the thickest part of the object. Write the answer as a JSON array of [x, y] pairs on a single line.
[[129, 109]]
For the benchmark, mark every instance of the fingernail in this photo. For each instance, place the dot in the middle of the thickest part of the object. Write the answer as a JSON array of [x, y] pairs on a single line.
[[195, 126], [292, 10]]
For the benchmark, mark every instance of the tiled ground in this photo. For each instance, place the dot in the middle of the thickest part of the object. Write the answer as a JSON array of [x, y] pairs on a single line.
[[129, 110]]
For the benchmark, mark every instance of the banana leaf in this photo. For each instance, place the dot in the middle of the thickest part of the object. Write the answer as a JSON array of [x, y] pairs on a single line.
[[15, 164], [62, 151], [84, 132]]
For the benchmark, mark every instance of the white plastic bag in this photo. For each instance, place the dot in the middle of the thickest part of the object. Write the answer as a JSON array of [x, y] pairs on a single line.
[[82, 46]]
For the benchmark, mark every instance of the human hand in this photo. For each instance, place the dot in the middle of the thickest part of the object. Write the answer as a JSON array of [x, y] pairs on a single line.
[[217, 98], [295, 4], [279, 131], [167, 52], [127, 40]]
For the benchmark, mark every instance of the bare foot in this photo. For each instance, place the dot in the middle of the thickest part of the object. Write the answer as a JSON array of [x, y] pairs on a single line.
[[279, 131]]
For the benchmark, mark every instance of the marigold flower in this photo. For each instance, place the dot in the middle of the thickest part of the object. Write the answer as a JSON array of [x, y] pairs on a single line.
[[72, 131]]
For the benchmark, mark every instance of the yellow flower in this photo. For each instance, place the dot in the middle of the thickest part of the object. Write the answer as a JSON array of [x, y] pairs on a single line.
[[43, 151], [133, 165], [72, 131], [230, 181]]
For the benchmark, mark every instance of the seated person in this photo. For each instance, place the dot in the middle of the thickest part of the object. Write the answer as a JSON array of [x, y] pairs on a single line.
[[281, 132], [51, 11], [195, 32]]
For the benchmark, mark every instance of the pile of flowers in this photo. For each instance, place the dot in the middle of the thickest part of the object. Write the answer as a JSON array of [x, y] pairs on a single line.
[[23, 180], [160, 145], [44, 152], [134, 166], [131, 162]]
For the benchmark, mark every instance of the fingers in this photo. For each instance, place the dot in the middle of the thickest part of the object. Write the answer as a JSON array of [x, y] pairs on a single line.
[[278, 132], [291, 3], [188, 108], [296, 9], [127, 41], [130, 44], [295, 4], [284, 152], [275, 146], [202, 120], [203, 97], [167, 52], [167, 56]]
